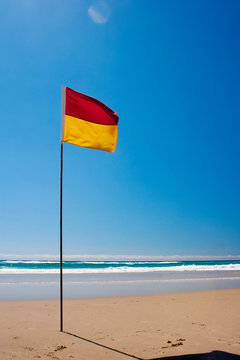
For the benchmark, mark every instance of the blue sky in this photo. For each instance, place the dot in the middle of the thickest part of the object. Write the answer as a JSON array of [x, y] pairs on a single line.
[[170, 69]]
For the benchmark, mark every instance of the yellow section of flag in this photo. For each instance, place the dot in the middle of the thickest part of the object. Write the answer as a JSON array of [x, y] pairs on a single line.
[[90, 135]]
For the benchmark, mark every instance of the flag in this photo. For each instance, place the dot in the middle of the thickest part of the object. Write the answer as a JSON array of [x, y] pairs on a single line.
[[87, 122]]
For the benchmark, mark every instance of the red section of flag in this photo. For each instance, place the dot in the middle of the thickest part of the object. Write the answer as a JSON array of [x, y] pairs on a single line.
[[87, 108]]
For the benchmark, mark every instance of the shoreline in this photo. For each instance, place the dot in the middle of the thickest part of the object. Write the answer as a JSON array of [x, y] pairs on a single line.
[[42, 286], [146, 326]]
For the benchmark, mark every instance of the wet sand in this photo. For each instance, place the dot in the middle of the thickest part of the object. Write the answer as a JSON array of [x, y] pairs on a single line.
[[147, 327], [46, 286]]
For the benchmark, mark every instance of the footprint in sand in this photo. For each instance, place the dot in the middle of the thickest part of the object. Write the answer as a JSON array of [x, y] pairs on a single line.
[[177, 344], [141, 331], [29, 348], [60, 348], [51, 355]]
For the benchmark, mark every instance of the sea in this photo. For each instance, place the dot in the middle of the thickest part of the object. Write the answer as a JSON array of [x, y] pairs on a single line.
[[39, 279], [94, 267]]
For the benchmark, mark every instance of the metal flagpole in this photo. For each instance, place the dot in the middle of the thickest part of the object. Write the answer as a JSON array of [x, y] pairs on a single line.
[[61, 188], [61, 248]]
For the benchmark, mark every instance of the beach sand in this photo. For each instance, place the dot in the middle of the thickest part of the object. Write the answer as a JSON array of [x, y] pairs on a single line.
[[148, 327]]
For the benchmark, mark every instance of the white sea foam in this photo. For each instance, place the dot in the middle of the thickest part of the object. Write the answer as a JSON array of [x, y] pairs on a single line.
[[88, 262], [126, 263], [126, 269], [29, 262]]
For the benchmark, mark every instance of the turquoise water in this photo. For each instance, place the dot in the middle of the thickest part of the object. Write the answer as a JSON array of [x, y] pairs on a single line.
[[88, 267], [32, 279]]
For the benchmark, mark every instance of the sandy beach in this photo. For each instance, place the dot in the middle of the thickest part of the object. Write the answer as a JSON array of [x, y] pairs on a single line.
[[145, 327]]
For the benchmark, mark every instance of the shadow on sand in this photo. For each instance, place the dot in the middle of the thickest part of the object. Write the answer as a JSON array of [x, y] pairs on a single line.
[[214, 355]]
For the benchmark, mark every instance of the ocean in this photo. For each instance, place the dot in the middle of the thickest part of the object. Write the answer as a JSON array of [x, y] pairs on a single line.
[[91, 267], [39, 279]]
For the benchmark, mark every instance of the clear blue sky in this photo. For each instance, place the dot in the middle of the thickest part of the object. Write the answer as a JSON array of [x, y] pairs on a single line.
[[170, 69]]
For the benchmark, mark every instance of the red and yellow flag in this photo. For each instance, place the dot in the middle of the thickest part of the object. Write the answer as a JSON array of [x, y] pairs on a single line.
[[87, 122]]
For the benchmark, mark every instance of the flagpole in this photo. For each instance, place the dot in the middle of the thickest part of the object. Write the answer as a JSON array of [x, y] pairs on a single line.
[[61, 191], [61, 247]]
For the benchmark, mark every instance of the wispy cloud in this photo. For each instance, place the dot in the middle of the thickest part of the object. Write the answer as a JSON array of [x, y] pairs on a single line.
[[99, 12]]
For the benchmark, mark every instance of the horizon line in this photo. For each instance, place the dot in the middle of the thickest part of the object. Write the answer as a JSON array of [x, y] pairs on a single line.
[[110, 257]]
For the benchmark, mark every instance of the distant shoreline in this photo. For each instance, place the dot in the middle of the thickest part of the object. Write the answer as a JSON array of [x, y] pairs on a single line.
[[46, 286]]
